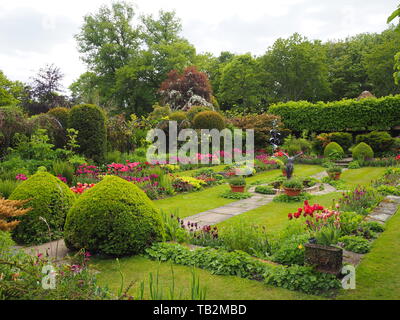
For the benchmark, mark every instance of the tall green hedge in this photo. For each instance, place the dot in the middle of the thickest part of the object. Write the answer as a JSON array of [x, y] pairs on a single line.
[[344, 115], [90, 122]]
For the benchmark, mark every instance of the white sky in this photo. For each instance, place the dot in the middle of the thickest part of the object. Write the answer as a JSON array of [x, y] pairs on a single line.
[[36, 32]]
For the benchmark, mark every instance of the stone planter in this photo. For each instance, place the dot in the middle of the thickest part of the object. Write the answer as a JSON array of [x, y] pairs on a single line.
[[292, 192], [325, 258], [237, 188]]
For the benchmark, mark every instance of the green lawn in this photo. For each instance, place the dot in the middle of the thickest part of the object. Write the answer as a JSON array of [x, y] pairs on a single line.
[[218, 287], [378, 275], [362, 176], [188, 204], [274, 215]]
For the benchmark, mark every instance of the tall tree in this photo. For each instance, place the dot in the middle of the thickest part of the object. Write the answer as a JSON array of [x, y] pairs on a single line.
[[11, 92], [240, 84], [296, 69]]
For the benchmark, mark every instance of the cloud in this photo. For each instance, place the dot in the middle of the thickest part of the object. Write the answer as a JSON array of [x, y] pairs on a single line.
[[32, 31]]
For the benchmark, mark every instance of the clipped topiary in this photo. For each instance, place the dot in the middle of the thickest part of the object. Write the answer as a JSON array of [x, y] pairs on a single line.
[[379, 141], [333, 150], [193, 111], [177, 116], [362, 151], [49, 198], [61, 114], [209, 120], [114, 218], [90, 122]]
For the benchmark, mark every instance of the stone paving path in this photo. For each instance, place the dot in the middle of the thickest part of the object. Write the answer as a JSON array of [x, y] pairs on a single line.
[[228, 211]]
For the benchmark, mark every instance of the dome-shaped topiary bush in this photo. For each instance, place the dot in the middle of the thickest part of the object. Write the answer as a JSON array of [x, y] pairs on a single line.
[[209, 120], [193, 111], [115, 218], [177, 116], [50, 198], [90, 122], [362, 151], [61, 114], [333, 150]]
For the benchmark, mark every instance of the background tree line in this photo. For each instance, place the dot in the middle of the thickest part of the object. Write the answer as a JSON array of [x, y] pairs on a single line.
[[129, 58]]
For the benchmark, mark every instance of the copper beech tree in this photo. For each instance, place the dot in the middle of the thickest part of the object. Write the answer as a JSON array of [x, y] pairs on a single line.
[[9, 210]]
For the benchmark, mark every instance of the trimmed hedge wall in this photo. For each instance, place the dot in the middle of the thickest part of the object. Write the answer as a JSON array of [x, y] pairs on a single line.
[[344, 115]]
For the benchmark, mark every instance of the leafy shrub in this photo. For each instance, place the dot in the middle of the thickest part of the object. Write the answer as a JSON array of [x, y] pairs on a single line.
[[193, 111], [237, 181], [61, 114], [327, 235], [302, 278], [354, 165], [288, 199], [333, 150], [90, 122], [12, 121], [115, 218], [291, 250], [54, 129], [247, 237], [365, 114], [293, 184], [236, 195], [261, 124], [343, 139], [50, 199], [386, 190], [295, 145], [177, 116], [356, 244], [360, 200], [265, 190], [209, 120], [350, 222], [378, 140], [173, 228], [362, 151]]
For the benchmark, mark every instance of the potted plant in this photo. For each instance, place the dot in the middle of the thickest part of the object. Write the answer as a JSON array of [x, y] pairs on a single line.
[[237, 184], [334, 172], [292, 187]]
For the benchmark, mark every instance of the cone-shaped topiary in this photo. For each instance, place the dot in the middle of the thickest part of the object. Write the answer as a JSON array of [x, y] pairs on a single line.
[[362, 151], [115, 218], [90, 122], [333, 149], [209, 120], [49, 198]]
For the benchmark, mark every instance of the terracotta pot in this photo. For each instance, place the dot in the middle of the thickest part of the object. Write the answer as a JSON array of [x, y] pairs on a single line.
[[237, 188], [292, 192], [335, 175], [325, 258], [284, 172]]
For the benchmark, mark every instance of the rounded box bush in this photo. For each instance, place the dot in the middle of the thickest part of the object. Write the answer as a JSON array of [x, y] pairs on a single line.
[[115, 218], [61, 114], [177, 116], [90, 122], [362, 151], [379, 141], [50, 198], [209, 120], [193, 111], [331, 148]]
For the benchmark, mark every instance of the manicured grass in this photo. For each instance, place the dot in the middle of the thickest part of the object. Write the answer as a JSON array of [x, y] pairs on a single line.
[[362, 176], [188, 204], [274, 215], [218, 168], [218, 287], [378, 275]]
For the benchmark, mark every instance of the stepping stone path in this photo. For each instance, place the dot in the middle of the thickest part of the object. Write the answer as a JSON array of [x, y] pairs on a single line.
[[217, 215]]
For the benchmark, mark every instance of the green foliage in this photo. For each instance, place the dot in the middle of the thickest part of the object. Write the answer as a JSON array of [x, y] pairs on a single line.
[[50, 199], [61, 114], [344, 139], [328, 235], [362, 151], [293, 183], [209, 120], [90, 122], [265, 190], [115, 218], [374, 226], [288, 199], [63, 169], [247, 237], [218, 262], [385, 190], [334, 169], [295, 145], [356, 244], [333, 150], [290, 250], [193, 111], [354, 165], [344, 115], [302, 278], [236, 195], [12, 122], [173, 228], [350, 222], [378, 141], [178, 116], [237, 181], [7, 187]]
